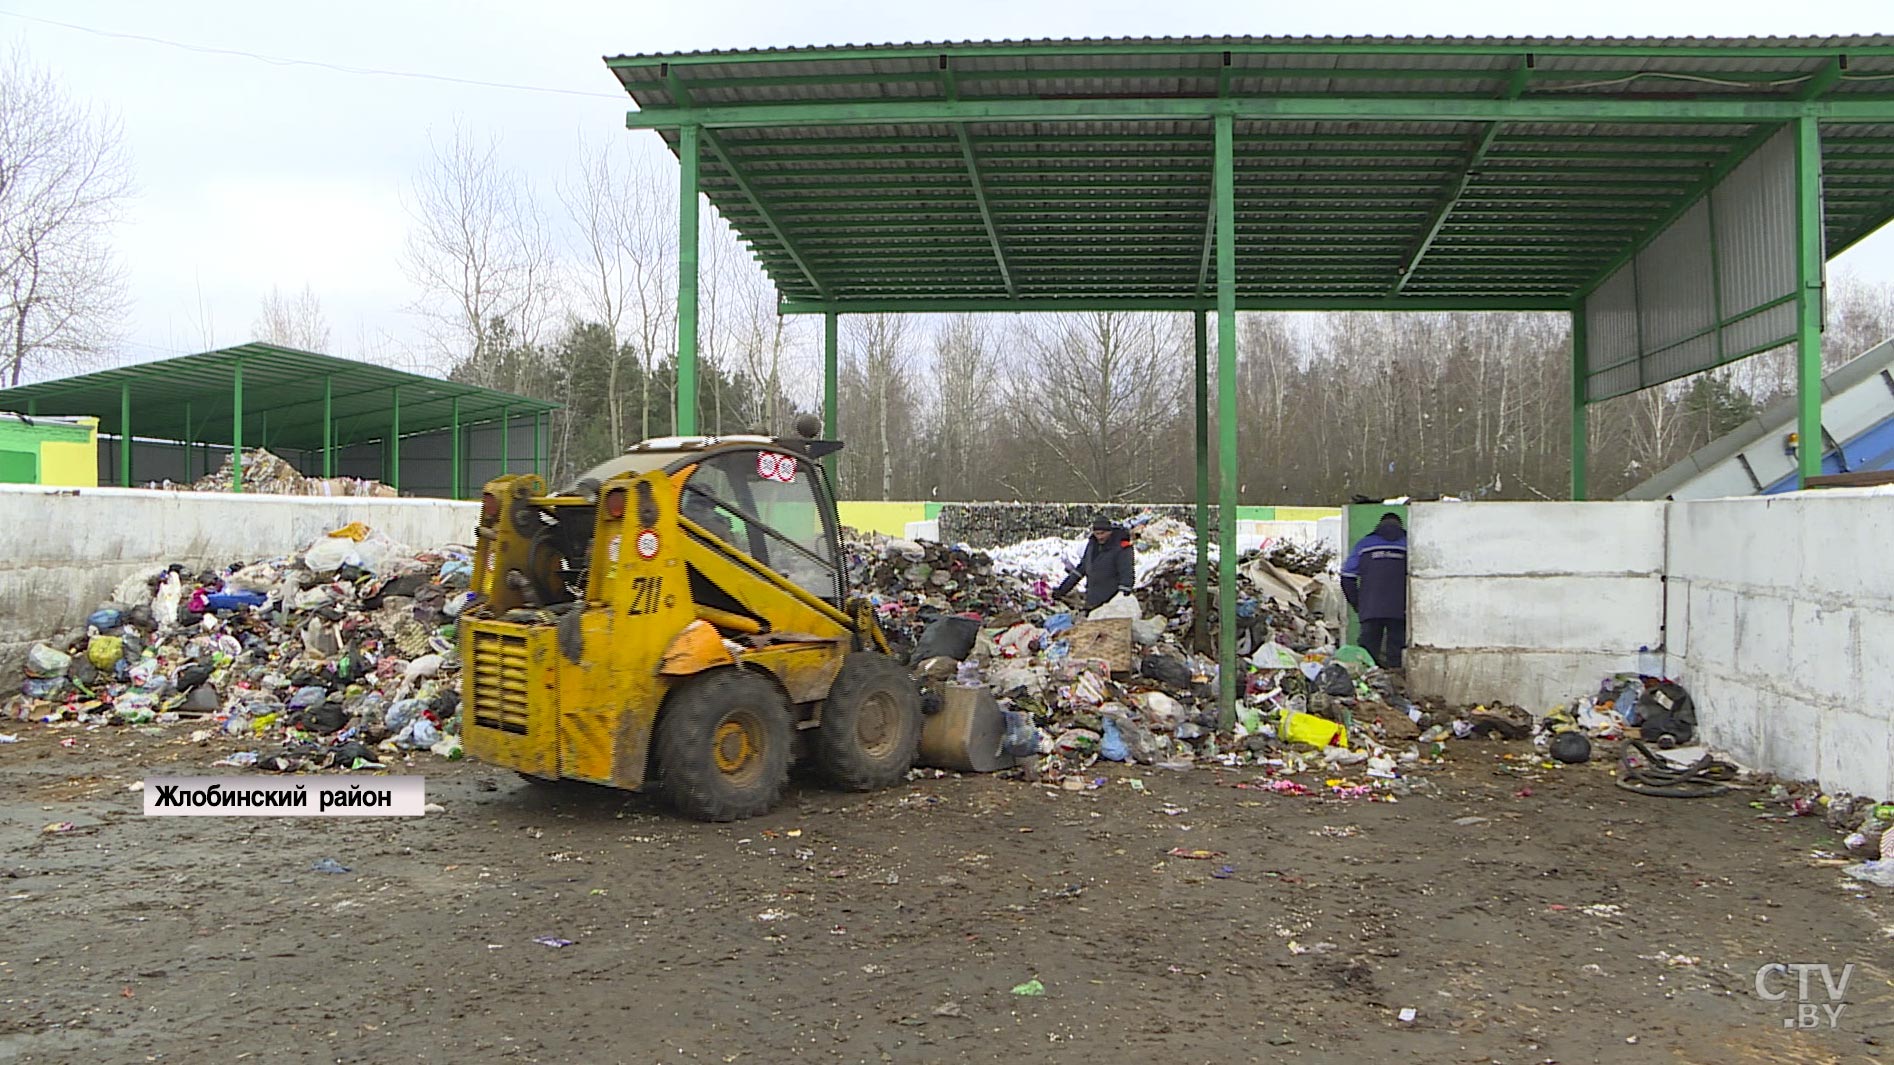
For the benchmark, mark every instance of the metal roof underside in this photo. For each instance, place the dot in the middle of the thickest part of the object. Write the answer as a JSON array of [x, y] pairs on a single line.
[[191, 398], [1369, 172]]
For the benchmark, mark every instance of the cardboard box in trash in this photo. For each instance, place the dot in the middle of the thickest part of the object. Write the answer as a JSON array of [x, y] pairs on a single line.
[[1106, 640]]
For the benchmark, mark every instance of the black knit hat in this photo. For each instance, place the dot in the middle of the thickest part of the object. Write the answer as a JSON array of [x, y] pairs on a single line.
[[1101, 523]]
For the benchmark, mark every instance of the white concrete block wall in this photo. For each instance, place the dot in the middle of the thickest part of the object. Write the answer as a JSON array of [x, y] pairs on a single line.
[[1777, 613], [1530, 603], [1783, 630], [63, 551]]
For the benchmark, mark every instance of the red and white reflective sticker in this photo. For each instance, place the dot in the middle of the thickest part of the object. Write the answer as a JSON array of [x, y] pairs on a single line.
[[611, 549], [647, 545], [773, 467]]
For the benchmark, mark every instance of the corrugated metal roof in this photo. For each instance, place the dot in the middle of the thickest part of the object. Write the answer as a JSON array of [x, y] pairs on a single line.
[[895, 211], [191, 398]]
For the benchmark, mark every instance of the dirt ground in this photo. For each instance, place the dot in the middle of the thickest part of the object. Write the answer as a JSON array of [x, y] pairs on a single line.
[[1576, 923]]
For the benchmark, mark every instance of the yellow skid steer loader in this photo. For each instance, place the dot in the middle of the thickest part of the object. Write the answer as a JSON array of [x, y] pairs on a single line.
[[679, 619]]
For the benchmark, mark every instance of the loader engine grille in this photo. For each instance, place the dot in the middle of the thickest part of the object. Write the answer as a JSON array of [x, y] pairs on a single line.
[[499, 682]]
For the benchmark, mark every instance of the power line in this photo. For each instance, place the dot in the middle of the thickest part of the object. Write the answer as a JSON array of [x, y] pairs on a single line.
[[283, 61]]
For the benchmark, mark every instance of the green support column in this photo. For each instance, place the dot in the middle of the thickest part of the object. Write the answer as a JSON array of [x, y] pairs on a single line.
[[536, 418], [125, 434], [1809, 260], [328, 425], [1200, 594], [831, 391], [506, 442], [1581, 366], [236, 425], [394, 445], [455, 465], [190, 442], [1225, 182], [685, 420]]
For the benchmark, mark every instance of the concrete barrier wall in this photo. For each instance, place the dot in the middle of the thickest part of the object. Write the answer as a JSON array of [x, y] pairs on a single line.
[[65, 550], [1530, 603], [1781, 624], [1777, 613]]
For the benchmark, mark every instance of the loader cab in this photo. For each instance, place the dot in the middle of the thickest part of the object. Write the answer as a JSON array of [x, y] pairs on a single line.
[[773, 505], [769, 498]]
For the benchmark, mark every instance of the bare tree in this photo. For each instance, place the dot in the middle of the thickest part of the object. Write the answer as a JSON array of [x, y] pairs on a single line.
[[877, 359], [295, 322], [601, 211], [1094, 394], [63, 180], [966, 402], [480, 253], [651, 254]]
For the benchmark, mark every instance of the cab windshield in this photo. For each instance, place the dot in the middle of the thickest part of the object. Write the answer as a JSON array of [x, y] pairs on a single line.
[[764, 503]]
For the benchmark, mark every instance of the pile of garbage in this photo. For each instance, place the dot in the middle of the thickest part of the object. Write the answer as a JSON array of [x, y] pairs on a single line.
[[1122, 682], [266, 473], [339, 656], [990, 525]]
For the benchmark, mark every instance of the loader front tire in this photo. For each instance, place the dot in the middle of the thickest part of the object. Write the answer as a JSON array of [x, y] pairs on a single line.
[[871, 724], [723, 746]]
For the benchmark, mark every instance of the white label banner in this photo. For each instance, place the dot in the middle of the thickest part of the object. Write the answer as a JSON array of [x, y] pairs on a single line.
[[402, 796]]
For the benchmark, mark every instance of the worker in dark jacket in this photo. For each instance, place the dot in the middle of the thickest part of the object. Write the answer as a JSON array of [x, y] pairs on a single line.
[[1375, 581], [1108, 566]]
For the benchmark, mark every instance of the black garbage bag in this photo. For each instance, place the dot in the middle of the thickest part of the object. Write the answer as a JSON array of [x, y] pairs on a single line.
[[1336, 680], [329, 716], [949, 637], [192, 675], [1667, 714], [1172, 674]]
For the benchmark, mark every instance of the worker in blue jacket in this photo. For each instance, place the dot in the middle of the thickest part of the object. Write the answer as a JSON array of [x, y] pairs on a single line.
[[1374, 579], [1108, 566]]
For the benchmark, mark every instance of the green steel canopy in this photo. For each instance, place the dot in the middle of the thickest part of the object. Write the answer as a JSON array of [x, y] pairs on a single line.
[[1610, 179], [1370, 172], [290, 399]]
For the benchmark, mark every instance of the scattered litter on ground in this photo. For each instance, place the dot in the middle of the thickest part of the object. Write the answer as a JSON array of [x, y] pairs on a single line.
[[1030, 989]]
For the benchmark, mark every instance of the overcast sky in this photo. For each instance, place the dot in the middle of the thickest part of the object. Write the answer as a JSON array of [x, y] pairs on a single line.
[[253, 174]]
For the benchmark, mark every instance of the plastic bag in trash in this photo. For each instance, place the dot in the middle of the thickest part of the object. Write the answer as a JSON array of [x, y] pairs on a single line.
[[404, 712], [43, 687], [1147, 631], [235, 600], [1273, 655], [949, 637], [306, 697], [1022, 737], [106, 617], [1122, 605], [1111, 746], [164, 605], [330, 554], [43, 661], [1140, 743], [420, 732], [105, 651]]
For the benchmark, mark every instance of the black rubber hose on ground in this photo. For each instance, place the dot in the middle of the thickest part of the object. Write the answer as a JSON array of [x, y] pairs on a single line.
[[1661, 777]]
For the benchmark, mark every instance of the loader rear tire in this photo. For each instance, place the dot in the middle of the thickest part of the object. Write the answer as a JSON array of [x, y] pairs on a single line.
[[723, 746], [871, 724]]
